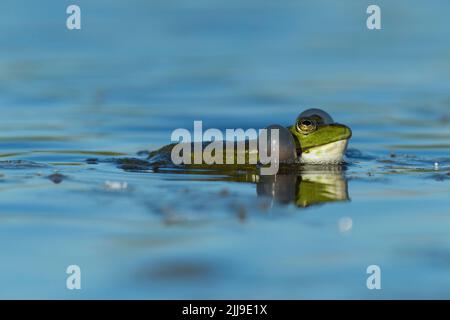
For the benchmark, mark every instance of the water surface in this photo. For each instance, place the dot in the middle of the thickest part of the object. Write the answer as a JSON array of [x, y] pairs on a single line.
[[136, 71]]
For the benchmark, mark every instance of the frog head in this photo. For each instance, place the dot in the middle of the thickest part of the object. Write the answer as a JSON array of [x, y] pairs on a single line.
[[318, 139]]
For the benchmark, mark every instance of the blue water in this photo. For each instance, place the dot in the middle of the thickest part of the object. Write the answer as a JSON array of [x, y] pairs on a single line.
[[138, 70]]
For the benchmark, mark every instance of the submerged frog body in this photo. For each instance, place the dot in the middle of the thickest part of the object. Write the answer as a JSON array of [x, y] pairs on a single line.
[[314, 139]]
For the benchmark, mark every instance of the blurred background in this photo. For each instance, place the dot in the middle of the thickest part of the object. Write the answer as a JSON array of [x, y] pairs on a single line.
[[139, 69]]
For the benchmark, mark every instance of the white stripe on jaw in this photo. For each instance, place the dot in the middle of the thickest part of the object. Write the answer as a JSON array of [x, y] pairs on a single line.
[[331, 153]]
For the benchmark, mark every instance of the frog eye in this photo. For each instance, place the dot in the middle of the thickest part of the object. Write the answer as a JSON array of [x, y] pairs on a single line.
[[319, 114], [306, 125]]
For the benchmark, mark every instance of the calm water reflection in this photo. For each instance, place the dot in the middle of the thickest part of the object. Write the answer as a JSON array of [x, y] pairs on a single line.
[[311, 187]]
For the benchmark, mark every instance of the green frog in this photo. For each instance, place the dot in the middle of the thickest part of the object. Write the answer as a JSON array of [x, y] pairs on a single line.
[[310, 153], [314, 139]]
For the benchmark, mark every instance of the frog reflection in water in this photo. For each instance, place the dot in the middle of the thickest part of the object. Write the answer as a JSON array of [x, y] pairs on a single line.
[[311, 163], [304, 189]]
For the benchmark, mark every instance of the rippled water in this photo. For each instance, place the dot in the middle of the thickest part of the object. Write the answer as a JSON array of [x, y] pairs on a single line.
[[137, 71]]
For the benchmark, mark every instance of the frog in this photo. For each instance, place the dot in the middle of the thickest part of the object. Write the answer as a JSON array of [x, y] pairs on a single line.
[[314, 139]]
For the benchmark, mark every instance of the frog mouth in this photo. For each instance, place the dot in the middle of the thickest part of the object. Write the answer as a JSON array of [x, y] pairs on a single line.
[[330, 153]]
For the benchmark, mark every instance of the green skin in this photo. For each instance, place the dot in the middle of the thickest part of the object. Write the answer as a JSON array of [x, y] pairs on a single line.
[[322, 135], [325, 133]]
